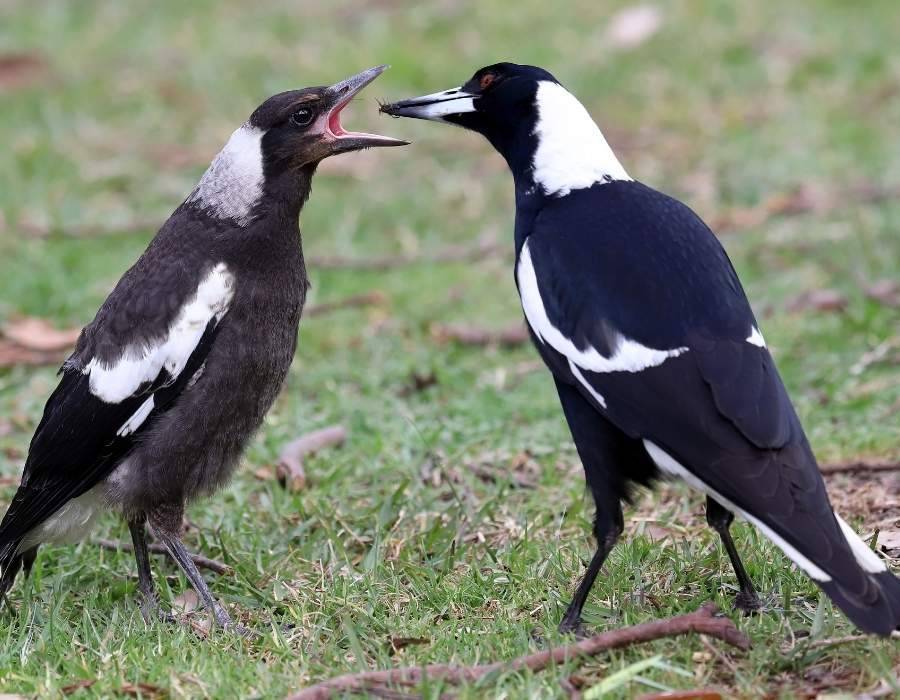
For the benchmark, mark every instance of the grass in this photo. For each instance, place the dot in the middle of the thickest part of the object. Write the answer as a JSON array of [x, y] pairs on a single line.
[[396, 536]]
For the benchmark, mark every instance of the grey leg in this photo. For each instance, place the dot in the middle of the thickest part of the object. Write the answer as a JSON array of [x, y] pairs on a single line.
[[149, 598], [179, 553], [720, 519]]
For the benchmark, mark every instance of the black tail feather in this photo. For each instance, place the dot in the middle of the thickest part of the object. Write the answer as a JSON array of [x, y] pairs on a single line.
[[876, 613]]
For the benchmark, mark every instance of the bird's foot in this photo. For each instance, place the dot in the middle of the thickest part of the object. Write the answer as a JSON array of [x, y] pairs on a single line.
[[151, 610], [748, 603], [224, 621], [574, 625]]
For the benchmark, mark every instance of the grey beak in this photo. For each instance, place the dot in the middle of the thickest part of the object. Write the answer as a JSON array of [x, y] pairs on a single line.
[[340, 95], [435, 107]]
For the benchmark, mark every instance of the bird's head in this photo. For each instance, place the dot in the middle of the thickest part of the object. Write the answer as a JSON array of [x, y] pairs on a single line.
[[278, 148], [546, 135]]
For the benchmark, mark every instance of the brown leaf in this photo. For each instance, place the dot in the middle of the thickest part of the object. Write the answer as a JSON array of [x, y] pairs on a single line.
[[632, 26], [38, 334], [398, 643], [18, 70], [186, 602], [885, 292], [818, 300]]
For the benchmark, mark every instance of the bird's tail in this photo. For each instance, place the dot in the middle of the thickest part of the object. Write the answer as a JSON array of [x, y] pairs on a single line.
[[874, 607]]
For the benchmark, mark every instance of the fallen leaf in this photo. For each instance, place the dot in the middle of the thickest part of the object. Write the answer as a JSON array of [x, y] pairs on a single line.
[[818, 300], [632, 26], [885, 292], [398, 643], [38, 334], [186, 602], [18, 70]]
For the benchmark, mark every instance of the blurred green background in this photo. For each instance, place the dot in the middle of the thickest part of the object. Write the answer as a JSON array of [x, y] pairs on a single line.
[[455, 515]]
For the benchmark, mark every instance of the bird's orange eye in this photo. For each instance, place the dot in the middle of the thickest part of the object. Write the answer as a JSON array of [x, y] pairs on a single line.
[[487, 80]]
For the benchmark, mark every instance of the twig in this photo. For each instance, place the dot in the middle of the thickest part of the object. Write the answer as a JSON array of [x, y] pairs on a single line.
[[474, 335], [374, 298], [852, 467], [156, 548], [701, 621], [290, 464], [482, 248]]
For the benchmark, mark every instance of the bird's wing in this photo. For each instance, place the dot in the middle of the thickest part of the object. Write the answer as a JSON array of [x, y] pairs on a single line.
[[119, 380], [632, 299]]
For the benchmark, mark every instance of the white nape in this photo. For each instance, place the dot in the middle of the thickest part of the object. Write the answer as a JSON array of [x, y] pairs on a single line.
[[452, 101], [70, 523], [863, 554], [756, 338], [628, 355], [672, 467], [233, 184], [137, 418], [140, 364], [571, 151]]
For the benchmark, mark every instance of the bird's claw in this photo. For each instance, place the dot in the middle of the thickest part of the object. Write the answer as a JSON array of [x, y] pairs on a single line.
[[748, 603]]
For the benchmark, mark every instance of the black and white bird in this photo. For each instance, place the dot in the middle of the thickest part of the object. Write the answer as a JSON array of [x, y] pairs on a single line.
[[186, 355], [659, 363]]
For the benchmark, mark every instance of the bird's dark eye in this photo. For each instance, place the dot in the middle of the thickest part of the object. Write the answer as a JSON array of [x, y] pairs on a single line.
[[302, 117]]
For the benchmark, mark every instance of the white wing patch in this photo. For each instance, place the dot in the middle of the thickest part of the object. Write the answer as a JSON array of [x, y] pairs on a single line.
[[670, 466], [233, 183], [864, 556], [571, 153], [756, 338], [586, 384], [137, 418], [139, 364], [628, 356]]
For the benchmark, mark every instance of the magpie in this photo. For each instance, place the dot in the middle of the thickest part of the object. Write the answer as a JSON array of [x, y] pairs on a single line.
[[659, 362], [184, 358]]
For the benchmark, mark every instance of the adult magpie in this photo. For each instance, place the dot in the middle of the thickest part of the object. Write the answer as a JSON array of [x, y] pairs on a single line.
[[184, 358], [659, 363]]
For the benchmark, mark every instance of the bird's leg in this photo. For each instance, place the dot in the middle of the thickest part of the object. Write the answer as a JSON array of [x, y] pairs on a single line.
[[149, 597], [166, 528], [720, 519], [607, 531]]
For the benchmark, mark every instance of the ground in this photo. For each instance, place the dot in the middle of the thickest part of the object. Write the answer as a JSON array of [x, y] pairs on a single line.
[[453, 524]]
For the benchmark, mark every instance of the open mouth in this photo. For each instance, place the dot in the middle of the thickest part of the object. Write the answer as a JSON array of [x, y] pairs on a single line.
[[344, 92]]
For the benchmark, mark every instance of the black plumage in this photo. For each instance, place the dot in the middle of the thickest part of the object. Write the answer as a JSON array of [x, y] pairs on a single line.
[[186, 355], [659, 362]]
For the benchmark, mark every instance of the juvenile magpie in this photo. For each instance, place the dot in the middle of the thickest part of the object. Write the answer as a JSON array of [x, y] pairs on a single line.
[[659, 363], [184, 358]]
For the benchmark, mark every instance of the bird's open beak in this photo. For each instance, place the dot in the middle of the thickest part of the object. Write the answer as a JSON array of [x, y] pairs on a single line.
[[436, 107], [340, 95]]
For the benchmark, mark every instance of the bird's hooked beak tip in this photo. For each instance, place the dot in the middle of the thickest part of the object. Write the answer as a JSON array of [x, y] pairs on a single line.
[[341, 94]]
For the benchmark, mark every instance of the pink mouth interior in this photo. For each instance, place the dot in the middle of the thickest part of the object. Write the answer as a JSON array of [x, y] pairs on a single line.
[[334, 121]]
